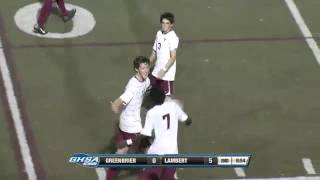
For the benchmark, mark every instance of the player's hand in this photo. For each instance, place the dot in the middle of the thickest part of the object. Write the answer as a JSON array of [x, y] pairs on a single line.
[[114, 107], [123, 150], [188, 122], [161, 74]]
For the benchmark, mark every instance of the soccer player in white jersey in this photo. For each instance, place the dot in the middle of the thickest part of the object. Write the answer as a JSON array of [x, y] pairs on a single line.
[[163, 119], [163, 56], [129, 104]]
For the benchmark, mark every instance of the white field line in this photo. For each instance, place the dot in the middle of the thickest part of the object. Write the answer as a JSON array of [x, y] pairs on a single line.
[[307, 164], [16, 116], [304, 29], [240, 172]]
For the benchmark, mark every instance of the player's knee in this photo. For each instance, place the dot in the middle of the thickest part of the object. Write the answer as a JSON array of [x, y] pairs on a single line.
[[122, 150]]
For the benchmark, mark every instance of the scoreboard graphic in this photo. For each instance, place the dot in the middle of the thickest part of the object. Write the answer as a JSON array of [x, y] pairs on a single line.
[[151, 161]]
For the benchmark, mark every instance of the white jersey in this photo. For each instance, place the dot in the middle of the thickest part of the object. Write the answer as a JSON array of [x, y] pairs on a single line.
[[163, 44], [163, 119], [130, 120]]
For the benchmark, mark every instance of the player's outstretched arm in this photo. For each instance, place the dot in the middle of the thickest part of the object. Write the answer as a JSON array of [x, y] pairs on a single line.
[[116, 105], [188, 122]]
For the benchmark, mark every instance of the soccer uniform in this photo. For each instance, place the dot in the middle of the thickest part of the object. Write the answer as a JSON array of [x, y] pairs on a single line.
[[130, 120], [163, 44], [163, 119]]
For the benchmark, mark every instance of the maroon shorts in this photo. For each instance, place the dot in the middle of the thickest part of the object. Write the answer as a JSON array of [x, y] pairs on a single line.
[[122, 136], [158, 174], [166, 86]]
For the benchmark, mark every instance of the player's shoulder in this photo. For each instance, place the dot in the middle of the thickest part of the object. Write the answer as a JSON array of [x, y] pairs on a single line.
[[159, 33], [133, 82], [175, 103], [152, 111], [172, 34]]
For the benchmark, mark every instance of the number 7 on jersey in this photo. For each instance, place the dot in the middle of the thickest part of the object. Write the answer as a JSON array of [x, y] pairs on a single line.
[[167, 116]]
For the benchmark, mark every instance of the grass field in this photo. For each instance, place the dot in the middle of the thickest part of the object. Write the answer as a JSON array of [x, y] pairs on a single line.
[[245, 74]]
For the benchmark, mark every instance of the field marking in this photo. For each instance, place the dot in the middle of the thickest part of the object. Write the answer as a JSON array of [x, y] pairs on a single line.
[[16, 116], [304, 29], [283, 178], [83, 21], [240, 172], [101, 172], [307, 164]]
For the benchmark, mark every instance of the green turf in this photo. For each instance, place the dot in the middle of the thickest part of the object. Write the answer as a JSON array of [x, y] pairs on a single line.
[[129, 21], [253, 101], [244, 97], [270, 98], [8, 163]]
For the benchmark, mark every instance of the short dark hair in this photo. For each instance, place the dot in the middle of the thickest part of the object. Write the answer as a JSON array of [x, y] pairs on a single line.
[[167, 15], [140, 60], [157, 96]]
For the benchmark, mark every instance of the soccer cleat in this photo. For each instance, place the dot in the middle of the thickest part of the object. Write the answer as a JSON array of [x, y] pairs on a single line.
[[39, 30], [70, 15]]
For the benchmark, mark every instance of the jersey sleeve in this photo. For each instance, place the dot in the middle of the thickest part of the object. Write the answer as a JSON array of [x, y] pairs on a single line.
[[128, 93], [182, 116], [148, 126], [173, 43]]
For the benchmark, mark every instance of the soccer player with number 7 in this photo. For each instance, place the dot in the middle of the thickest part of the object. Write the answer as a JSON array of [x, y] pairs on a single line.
[[163, 119]]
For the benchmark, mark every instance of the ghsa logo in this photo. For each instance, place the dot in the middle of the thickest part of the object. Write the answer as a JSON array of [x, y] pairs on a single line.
[[84, 159]]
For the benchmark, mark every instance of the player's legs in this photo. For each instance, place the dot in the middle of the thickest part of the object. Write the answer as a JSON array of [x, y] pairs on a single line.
[[151, 174], [166, 86], [155, 82], [168, 173], [120, 137], [169, 86], [114, 172], [66, 15], [62, 7], [44, 12]]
